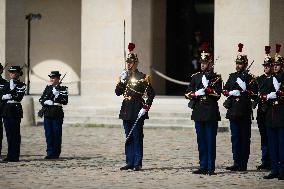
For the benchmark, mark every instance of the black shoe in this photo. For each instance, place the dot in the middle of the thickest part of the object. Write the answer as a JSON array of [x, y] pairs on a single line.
[[51, 157], [242, 169], [232, 168], [126, 167], [211, 173], [5, 159], [263, 167], [200, 172], [271, 176], [137, 168], [281, 177], [10, 160]]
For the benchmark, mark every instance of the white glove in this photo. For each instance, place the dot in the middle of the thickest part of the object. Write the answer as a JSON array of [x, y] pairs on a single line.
[[242, 84], [55, 92], [271, 95], [48, 102], [141, 113], [123, 76], [205, 81], [235, 93], [276, 84], [7, 97], [12, 85], [200, 92]]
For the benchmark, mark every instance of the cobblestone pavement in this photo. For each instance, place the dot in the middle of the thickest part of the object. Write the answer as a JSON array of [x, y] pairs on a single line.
[[92, 156]]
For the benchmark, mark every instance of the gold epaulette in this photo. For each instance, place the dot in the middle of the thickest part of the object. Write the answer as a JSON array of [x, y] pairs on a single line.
[[216, 79], [148, 78], [253, 79]]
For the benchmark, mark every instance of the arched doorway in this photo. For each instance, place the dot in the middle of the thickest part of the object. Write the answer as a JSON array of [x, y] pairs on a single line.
[[189, 22]]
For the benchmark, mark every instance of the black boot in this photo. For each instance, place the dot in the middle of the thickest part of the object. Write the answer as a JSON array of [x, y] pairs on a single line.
[[126, 167], [271, 176], [200, 172], [211, 173], [232, 168], [263, 166], [137, 168], [281, 177]]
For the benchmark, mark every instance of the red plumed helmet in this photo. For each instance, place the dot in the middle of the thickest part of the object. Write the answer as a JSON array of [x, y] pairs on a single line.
[[131, 47], [205, 57], [267, 60], [205, 46], [267, 49], [240, 45], [278, 47], [278, 59]]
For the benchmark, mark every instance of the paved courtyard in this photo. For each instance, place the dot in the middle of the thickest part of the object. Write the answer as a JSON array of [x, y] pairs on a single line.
[[92, 156]]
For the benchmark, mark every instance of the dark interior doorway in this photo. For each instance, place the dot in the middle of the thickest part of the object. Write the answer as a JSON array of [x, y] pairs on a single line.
[[187, 22]]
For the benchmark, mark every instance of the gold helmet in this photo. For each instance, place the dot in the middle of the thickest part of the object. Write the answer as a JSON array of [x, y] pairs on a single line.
[[132, 57], [268, 60], [278, 59], [241, 58], [205, 56]]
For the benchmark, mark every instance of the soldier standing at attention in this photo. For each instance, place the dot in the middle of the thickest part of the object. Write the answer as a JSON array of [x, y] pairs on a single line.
[[261, 110], [2, 84], [13, 93], [240, 89], [133, 85], [204, 91], [274, 98], [53, 98]]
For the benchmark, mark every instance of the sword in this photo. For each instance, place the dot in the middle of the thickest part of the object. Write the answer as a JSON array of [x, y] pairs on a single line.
[[62, 78], [5, 65], [124, 44], [134, 125], [247, 70]]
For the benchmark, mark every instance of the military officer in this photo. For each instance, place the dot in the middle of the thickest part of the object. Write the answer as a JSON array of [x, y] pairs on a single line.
[[204, 91], [13, 93], [261, 110], [133, 85], [2, 84], [274, 98], [240, 89], [53, 98]]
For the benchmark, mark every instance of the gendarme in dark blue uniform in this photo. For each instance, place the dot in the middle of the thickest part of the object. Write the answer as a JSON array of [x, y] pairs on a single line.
[[13, 93], [261, 109], [133, 85], [274, 119], [240, 89], [2, 84], [204, 91], [53, 98]]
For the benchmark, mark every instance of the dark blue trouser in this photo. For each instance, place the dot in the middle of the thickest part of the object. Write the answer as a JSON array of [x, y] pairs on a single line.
[[13, 134], [240, 138], [1, 134], [134, 145], [53, 136], [264, 142], [276, 149], [206, 140]]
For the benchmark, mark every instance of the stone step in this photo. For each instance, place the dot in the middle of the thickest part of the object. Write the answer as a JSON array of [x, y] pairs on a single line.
[[165, 112]]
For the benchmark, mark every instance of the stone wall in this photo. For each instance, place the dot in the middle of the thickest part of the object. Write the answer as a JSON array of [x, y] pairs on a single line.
[[2, 30], [55, 40], [245, 21], [277, 24], [102, 47]]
